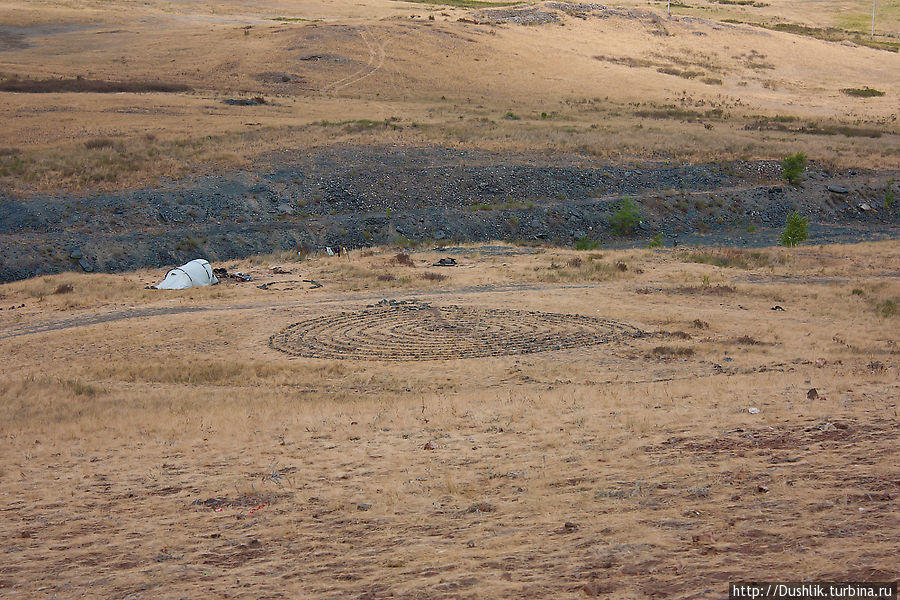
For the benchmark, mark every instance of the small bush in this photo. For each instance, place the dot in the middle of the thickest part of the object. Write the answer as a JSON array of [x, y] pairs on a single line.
[[187, 244], [586, 243], [386, 277], [99, 143], [656, 241], [887, 308], [64, 288], [793, 167], [865, 92], [672, 351], [796, 230], [626, 218], [731, 257], [403, 259], [432, 276], [574, 262], [511, 116], [857, 292], [698, 324], [889, 196]]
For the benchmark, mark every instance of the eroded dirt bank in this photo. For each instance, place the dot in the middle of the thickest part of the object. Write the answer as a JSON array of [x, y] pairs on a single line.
[[359, 196]]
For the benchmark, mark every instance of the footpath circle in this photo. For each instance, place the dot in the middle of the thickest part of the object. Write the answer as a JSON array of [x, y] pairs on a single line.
[[406, 332]]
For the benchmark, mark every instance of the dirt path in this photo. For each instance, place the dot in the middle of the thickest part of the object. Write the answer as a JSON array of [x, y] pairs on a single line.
[[373, 63], [96, 318], [156, 311]]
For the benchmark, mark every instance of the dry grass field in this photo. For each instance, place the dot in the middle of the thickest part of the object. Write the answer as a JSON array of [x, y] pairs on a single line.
[[714, 81], [154, 445]]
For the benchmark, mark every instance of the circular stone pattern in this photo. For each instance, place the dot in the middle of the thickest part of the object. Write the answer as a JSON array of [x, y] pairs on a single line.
[[422, 332]]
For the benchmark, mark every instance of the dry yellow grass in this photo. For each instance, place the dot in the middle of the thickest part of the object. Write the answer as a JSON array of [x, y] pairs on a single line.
[[605, 87], [129, 417]]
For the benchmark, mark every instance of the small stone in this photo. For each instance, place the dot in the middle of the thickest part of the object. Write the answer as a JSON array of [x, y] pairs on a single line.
[[75, 254], [85, 265], [821, 362], [762, 489], [864, 207], [430, 445], [812, 394], [570, 526], [836, 189], [753, 410], [363, 506]]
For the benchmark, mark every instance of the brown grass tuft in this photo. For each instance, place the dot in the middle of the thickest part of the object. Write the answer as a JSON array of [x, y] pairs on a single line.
[[432, 276]]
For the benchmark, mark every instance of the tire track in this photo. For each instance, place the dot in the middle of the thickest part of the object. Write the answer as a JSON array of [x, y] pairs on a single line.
[[374, 62]]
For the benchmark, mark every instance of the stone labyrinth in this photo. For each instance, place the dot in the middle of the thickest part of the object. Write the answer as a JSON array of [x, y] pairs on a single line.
[[413, 331]]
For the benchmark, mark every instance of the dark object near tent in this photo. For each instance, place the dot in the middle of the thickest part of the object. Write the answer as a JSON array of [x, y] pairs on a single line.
[[445, 262]]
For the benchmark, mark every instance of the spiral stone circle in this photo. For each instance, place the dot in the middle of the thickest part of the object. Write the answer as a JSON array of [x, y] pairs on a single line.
[[418, 331]]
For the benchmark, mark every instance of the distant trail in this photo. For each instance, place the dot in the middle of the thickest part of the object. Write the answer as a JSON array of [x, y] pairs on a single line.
[[343, 300], [373, 64], [139, 313]]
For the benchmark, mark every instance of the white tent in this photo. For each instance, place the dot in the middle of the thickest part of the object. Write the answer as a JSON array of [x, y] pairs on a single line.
[[193, 274]]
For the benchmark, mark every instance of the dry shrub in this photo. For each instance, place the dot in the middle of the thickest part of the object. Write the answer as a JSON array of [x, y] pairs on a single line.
[[698, 324], [734, 258], [432, 276], [681, 335], [99, 143], [712, 290], [64, 288], [403, 259], [386, 277], [671, 351], [746, 339], [574, 262]]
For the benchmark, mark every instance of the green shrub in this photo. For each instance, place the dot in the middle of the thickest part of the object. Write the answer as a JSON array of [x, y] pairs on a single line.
[[796, 230], [793, 167], [586, 243], [656, 241], [626, 218], [889, 196], [888, 308], [865, 92]]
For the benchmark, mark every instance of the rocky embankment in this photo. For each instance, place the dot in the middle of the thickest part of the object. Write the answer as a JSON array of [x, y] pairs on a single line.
[[360, 196]]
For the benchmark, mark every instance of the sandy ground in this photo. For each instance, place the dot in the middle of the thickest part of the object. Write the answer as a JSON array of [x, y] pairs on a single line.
[[627, 82], [154, 445]]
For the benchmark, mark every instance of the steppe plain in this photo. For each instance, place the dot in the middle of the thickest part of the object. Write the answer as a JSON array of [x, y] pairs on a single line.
[[190, 445]]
